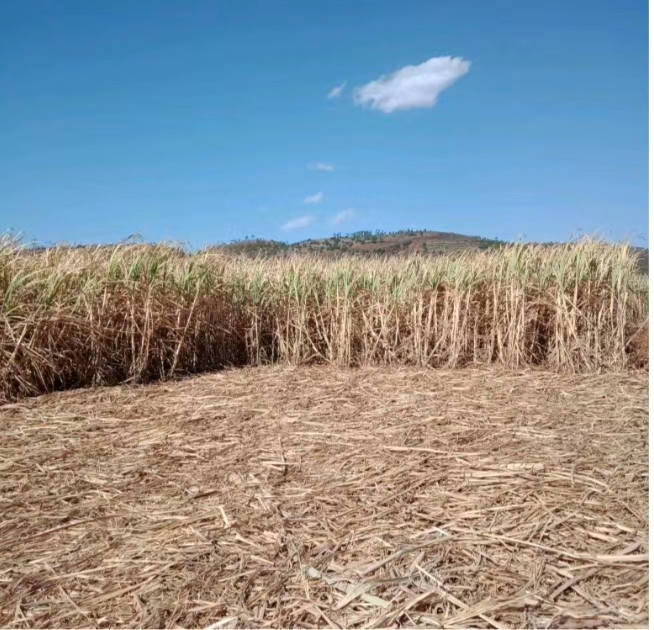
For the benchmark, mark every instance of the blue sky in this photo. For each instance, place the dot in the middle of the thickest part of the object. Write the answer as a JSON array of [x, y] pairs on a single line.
[[206, 121]]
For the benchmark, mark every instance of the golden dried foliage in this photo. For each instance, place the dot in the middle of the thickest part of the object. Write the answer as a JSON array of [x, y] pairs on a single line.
[[76, 317]]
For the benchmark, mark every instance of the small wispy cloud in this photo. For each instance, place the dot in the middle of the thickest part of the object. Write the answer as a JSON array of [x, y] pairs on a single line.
[[298, 223], [343, 217], [335, 92], [313, 199], [322, 166], [412, 86]]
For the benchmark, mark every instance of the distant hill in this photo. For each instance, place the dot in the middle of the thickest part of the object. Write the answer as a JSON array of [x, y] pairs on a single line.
[[363, 243], [381, 243], [366, 243]]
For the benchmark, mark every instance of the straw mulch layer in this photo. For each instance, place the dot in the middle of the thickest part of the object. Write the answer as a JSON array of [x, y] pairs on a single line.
[[317, 497]]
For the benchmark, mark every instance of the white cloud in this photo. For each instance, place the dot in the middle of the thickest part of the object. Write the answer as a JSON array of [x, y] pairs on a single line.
[[343, 216], [298, 223], [317, 198], [322, 166], [412, 86], [335, 92]]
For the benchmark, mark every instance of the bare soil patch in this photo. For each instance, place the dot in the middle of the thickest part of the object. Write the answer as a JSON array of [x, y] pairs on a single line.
[[320, 497]]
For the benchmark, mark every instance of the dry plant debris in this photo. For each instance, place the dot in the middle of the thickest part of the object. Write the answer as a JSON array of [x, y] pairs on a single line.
[[305, 497]]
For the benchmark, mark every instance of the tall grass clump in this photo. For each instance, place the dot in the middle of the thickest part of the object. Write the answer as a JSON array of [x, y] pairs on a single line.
[[75, 317]]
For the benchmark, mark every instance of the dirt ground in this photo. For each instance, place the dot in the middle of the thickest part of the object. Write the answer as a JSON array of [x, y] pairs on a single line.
[[317, 497]]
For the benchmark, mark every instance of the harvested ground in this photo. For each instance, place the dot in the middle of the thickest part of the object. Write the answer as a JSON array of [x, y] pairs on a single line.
[[317, 497]]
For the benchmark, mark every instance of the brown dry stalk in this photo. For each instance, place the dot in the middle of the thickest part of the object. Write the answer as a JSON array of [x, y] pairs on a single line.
[[76, 317]]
